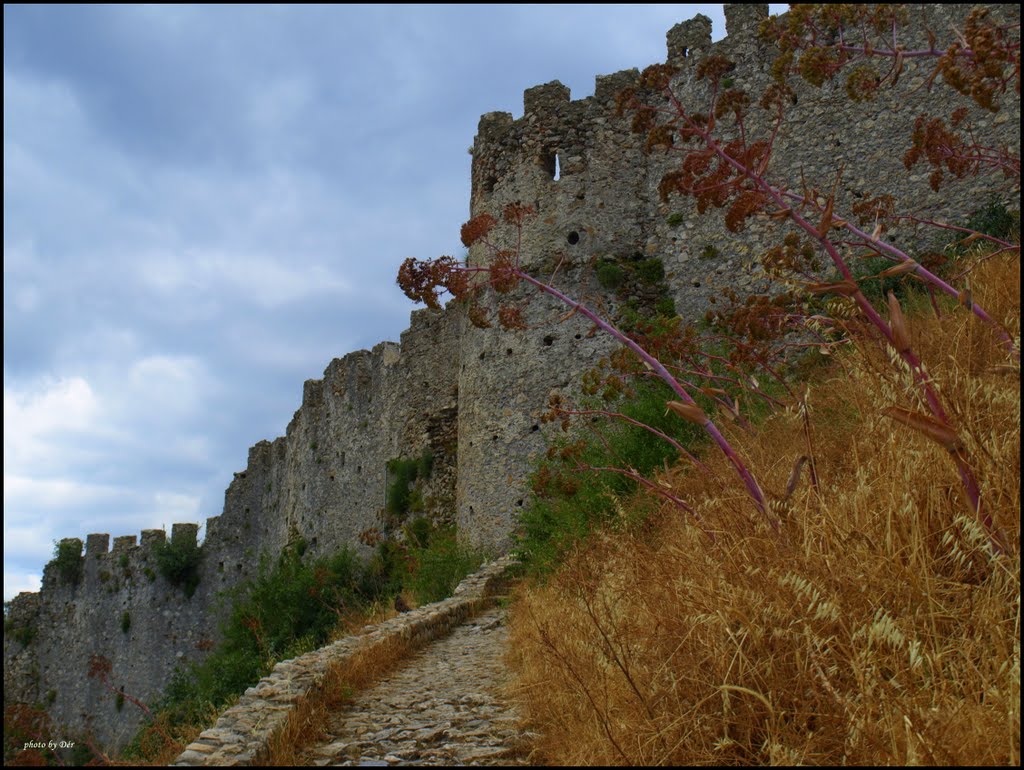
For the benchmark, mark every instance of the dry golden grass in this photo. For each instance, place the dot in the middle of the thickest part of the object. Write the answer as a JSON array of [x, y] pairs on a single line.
[[878, 628]]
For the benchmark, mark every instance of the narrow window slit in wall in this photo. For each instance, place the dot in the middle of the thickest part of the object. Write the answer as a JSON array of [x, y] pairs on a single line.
[[549, 162]]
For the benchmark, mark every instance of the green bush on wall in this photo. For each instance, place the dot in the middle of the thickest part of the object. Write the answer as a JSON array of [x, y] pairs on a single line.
[[178, 561], [67, 557], [440, 563], [650, 270], [402, 472], [289, 609], [610, 275], [994, 219]]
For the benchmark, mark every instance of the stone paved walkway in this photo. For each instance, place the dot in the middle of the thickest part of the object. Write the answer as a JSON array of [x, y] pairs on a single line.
[[442, 706]]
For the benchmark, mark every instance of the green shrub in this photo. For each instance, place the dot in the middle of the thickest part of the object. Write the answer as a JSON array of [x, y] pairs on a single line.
[[666, 306], [416, 502], [710, 251], [610, 275], [287, 610], [674, 220], [119, 702], [401, 498], [994, 219], [568, 503], [67, 558], [650, 270], [425, 464], [440, 566], [386, 570], [178, 561], [877, 289], [417, 532], [126, 622], [403, 473], [23, 634]]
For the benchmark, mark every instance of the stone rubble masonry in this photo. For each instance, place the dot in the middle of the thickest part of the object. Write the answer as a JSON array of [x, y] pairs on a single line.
[[243, 733], [447, 704], [473, 396]]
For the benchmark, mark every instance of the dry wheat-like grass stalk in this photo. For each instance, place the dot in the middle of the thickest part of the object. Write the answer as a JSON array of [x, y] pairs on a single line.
[[879, 627]]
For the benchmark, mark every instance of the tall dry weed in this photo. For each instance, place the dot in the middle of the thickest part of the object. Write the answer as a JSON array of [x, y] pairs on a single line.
[[877, 628]]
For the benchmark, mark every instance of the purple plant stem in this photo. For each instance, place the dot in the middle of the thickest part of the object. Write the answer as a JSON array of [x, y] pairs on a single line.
[[748, 480], [963, 467]]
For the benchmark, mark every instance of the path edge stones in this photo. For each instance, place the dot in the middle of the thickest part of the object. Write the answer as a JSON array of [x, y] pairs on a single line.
[[242, 735]]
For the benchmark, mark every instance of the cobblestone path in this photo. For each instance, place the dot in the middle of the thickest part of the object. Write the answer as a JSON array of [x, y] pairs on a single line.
[[442, 706]]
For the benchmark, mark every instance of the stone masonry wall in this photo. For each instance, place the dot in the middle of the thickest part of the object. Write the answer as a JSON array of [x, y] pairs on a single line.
[[474, 396], [605, 203]]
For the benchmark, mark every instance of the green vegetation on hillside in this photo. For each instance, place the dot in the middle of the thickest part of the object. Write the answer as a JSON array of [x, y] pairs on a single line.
[[295, 606]]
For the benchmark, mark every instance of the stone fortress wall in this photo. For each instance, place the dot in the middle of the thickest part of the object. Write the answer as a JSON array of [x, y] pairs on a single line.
[[474, 396], [605, 203], [324, 482]]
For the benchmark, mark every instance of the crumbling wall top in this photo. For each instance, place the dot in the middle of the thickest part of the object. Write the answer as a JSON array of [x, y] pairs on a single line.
[[124, 542], [744, 19], [153, 537], [181, 533], [688, 38], [607, 86], [545, 99], [96, 544]]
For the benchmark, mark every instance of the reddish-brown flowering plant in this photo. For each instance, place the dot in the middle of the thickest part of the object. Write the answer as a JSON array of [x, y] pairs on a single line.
[[728, 165]]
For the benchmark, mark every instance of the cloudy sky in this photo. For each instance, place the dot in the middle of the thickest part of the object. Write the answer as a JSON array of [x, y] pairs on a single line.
[[204, 205]]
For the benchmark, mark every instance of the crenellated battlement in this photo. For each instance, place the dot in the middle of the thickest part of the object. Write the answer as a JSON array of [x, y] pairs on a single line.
[[743, 21], [554, 126], [124, 543], [689, 40], [97, 545]]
